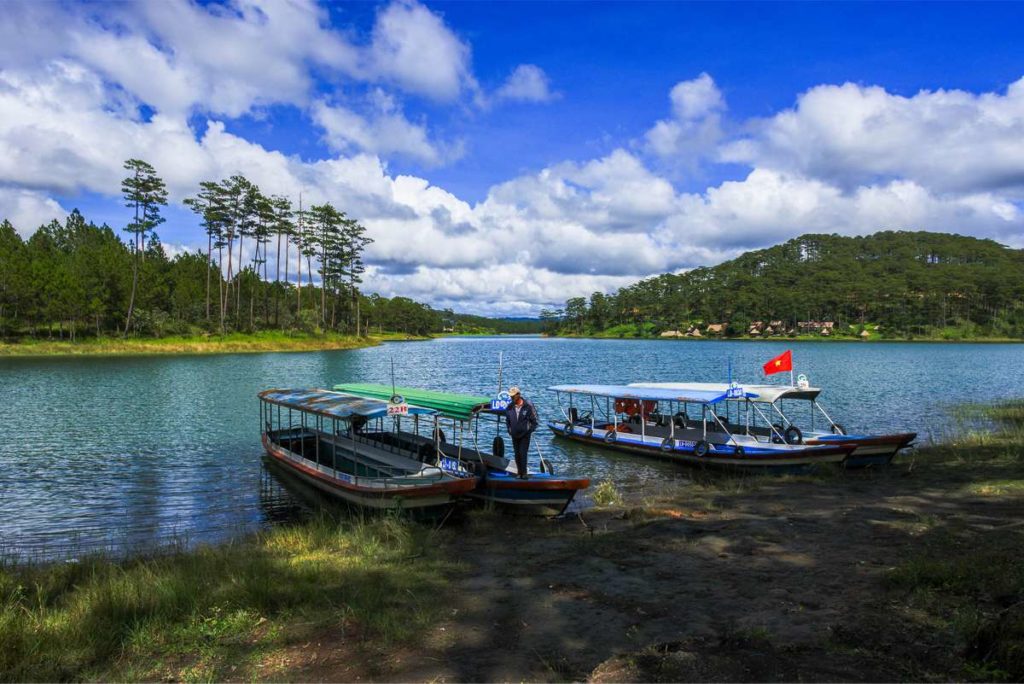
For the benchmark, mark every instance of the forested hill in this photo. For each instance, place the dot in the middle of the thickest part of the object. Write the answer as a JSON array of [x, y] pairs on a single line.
[[891, 284]]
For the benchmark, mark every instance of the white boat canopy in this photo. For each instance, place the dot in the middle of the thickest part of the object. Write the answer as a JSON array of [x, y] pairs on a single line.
[[333, 404], [767, 394], [692, 393]]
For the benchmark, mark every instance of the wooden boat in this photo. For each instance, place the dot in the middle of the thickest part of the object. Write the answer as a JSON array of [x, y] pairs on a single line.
[[686, 426], [817, 429], [317, 435], [468, 418]]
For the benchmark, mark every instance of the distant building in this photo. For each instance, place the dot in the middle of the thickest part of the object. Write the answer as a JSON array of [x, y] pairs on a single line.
[[671, 333], [820, 327], [715, 328]]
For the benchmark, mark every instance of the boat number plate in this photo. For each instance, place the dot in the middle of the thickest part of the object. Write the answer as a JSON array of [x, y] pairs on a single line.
[[452, 465], [398, 409]]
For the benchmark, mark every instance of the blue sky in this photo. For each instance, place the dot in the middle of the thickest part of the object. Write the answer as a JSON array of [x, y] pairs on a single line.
[[506, 156]]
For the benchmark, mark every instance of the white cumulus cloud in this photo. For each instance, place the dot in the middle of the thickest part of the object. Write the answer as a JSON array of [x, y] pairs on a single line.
[[527, 83], [695, 128], [849, 135]]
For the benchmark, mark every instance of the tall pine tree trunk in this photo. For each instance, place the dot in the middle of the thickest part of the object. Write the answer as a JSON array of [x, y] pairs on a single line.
[[323, 284], [309, 275], [238, 288], [209, 260], [220, 286], [131, 299], [227, 287], [277, 284]]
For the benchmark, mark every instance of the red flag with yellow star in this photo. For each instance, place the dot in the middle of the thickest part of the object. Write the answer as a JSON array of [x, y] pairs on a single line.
[[782, 362]]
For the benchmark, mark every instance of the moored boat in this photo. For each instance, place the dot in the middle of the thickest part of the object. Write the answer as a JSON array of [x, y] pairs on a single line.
[[818, 428], [317, 435], [471, 418], [690, 426]]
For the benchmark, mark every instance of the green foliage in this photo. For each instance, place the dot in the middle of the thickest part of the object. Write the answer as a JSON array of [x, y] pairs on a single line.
[[605, 494], [911, 284]]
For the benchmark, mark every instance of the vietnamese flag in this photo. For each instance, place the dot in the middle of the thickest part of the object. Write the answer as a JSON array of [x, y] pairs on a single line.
[[782, 362]]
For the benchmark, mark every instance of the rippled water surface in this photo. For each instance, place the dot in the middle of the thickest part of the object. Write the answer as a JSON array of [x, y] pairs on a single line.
[[131, 451]]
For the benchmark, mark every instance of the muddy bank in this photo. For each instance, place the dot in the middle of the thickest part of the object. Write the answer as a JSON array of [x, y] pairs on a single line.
[[733, 579]]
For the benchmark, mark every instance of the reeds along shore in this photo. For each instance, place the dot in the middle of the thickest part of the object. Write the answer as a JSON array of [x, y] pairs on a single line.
[[341, 599]]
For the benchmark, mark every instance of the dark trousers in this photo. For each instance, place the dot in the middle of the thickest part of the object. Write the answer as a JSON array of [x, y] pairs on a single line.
[[521, 445]]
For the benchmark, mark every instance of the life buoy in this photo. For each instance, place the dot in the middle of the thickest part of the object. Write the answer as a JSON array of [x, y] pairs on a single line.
[[794, 436], [667, 444], [498, 447], [609, 436], [628, 406], [701, 448]]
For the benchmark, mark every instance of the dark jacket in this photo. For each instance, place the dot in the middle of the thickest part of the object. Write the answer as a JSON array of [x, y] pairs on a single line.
[[525, 423]]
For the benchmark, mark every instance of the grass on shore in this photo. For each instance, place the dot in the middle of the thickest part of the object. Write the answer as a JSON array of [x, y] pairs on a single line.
[[263, 341], [239, 611], [967, 580]]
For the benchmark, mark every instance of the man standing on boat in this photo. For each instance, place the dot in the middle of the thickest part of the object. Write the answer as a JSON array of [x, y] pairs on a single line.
[[521, 420]]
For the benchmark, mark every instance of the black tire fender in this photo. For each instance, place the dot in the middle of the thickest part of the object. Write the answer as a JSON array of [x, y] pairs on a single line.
[[667, 444], [793, 435], [701, 448], [498, 447], [739, 451], [589, 432], [609, 436], [838, 429], [439, 435]]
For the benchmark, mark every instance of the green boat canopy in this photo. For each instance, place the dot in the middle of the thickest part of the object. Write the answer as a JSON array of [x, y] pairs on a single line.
[[448, 404]]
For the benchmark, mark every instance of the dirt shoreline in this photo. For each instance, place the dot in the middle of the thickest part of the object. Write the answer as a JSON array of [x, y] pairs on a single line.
[[734, 579]]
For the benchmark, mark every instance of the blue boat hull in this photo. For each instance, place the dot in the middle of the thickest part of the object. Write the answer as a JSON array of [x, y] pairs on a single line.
[[718, 455]]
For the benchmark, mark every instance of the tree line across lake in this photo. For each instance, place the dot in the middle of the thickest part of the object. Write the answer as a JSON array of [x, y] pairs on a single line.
[[75, 278], [895, 284]]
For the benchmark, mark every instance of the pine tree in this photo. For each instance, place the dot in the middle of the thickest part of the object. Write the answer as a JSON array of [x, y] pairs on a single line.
[[209, 204], [145, 192]]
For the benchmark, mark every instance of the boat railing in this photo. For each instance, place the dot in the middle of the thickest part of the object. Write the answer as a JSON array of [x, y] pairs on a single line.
[[392, 476]]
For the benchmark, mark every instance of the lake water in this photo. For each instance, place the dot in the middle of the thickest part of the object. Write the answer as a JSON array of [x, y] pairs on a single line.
[[128, 452]]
